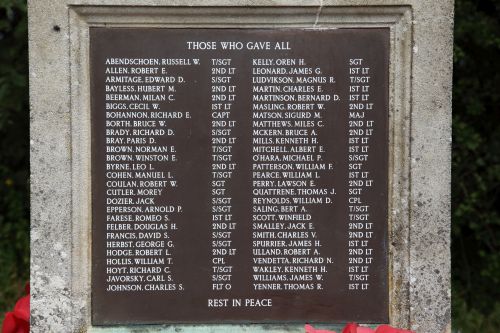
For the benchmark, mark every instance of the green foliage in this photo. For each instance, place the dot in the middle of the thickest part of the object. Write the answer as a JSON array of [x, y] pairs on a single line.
[[476, 167], [14, 153], [471, 320]]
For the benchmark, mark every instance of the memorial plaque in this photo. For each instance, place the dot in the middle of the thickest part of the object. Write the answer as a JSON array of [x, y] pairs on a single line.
[[239, 175]]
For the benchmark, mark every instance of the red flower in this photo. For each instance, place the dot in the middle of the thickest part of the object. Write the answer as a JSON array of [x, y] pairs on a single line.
[[18, 321], [389, 329], [355, 328]]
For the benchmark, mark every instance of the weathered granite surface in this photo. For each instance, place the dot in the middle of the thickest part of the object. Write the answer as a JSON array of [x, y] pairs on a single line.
[[421, 69]]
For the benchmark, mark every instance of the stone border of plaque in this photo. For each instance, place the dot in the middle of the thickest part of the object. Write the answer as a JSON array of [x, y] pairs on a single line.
[[419, 144]]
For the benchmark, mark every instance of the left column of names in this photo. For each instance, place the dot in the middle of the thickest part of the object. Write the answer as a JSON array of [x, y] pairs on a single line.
[[140, 159]]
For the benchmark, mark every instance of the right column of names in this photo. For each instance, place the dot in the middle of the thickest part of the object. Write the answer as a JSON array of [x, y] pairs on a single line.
[[289, 102]]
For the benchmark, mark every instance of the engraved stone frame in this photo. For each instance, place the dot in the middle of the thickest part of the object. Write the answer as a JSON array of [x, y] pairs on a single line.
[[61, 141]]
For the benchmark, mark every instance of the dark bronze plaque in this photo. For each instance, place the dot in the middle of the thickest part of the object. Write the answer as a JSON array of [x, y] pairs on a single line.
[[239, 175]]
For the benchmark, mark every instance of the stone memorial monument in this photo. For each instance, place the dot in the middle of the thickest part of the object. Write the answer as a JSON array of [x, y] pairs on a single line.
[[239, 166]]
